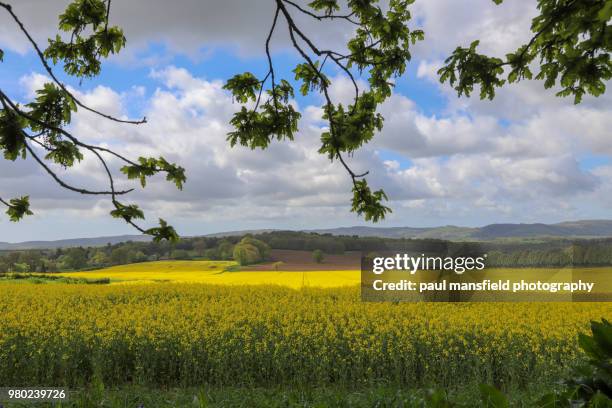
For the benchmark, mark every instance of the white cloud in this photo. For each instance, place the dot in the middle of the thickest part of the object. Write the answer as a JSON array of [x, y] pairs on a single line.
[[190, 27], [455, 161], [516, 158], [448, 24]]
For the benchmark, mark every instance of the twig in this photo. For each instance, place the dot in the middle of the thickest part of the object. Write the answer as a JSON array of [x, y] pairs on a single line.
[[43, 60]]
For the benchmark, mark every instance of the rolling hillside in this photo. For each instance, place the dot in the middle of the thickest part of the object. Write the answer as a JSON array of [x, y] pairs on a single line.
[[572, 229], [569, 229]]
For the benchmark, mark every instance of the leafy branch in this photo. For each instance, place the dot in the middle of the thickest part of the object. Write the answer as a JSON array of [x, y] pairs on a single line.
[[571, 42], [42, 123], [379, 51]]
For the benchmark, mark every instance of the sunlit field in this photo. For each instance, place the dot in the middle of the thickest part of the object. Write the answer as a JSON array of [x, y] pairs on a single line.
[[216, 272], [205, 323], [228, 273], [187, 334]]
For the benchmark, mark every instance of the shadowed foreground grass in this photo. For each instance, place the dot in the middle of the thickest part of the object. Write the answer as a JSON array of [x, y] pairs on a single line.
[[381, 396]]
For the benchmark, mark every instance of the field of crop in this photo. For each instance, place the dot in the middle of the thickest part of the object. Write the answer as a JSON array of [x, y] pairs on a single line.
[[223, 273], [215, 272], [209, 329], [193, 334]]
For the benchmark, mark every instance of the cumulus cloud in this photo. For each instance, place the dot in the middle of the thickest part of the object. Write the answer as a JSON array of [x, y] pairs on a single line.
[[191, 27], [517, 158], [194, 24], [455, 162], [500, 28]]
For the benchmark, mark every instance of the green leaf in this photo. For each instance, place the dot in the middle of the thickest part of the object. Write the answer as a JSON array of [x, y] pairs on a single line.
[[570, 42], [149, 166], [81, 13], [18, 208], [12, 136], [600, 400], [163, 232], [127, 212], [52, 108], [465, 69], [492, 397], [81, 56], [602, 336], [437, 399], [605, 14], [549, 401], [352, 127], [275, 120], [64, 153], [243, 87], [367, 203], [311, 79], [328, 6]]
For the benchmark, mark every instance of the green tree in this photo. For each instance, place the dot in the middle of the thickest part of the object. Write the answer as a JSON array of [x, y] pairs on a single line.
[[211, 253], [21, 267], [318, 256], [136, 256], [250, 250], [246, 254], [99, 258], [263, 248], [200, 246], [75, 258], [119, 256], [225, 249], [570, 46], [179, 254], [4, 266]]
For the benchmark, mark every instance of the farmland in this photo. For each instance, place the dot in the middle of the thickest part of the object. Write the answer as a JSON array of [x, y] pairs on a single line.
[[217, 272], [187, 334], [208, 324]]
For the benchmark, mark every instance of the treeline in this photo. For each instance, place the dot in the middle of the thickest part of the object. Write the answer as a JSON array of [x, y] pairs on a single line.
[[245, 250], [256, 248], [586, 253]]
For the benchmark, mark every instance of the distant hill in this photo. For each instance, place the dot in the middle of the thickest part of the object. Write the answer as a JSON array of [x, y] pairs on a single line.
[[570, 229], [238, 233], [447, 232], [69, 243]]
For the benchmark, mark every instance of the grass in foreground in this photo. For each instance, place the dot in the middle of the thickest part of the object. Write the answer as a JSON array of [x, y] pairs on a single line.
[[37, 278], [207, 397]]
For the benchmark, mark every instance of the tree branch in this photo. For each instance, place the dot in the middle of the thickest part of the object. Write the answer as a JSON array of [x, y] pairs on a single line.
[[346, 17], [43, 60], [68, 186], [292, 30]]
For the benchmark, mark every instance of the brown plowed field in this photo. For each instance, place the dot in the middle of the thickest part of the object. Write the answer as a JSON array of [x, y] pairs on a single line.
[[302, 261]]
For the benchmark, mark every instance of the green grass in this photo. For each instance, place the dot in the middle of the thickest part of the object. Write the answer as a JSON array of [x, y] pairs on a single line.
[[382, 396], [44, 278]]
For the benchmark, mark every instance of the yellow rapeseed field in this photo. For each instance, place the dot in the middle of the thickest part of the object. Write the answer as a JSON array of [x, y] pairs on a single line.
[[214, 272], [189, 333]]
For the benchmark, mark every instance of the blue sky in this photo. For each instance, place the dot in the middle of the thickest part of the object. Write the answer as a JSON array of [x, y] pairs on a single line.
[[527, 156]]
